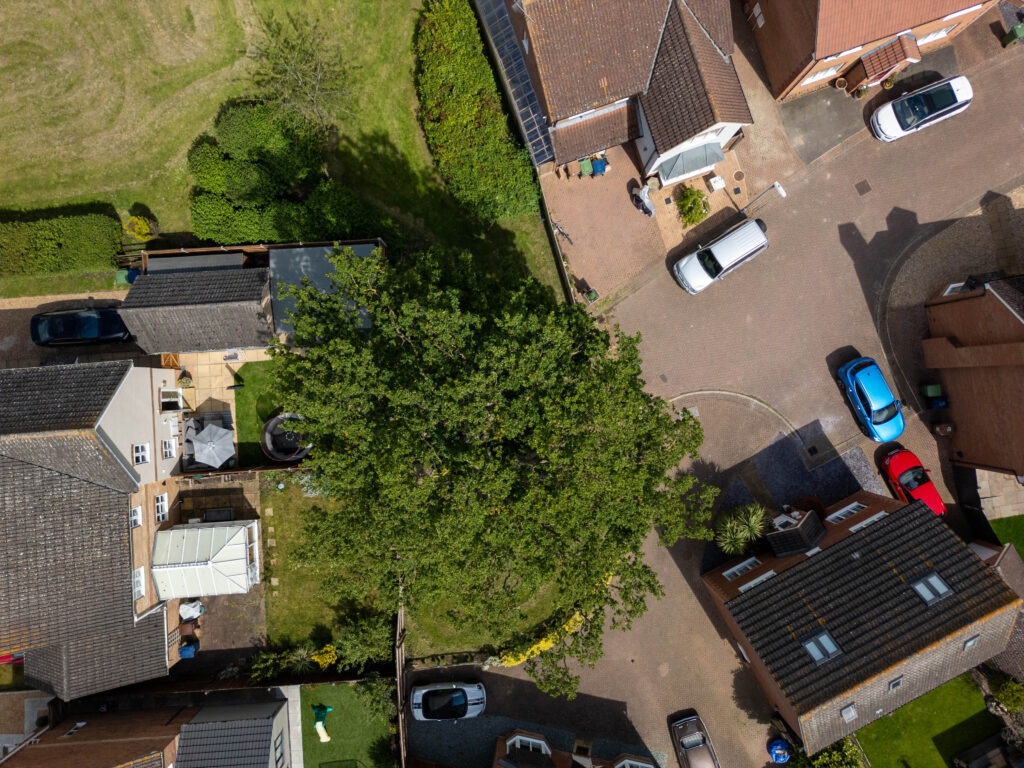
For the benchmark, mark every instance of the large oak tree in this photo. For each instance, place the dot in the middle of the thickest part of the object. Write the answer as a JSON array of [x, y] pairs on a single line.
[[489, 445]]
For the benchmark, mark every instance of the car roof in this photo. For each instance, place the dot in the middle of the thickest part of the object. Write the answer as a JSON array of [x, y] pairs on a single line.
[[960, 84], [873, 384]]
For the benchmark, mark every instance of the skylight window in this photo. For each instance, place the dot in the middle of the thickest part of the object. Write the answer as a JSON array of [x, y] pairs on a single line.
[[931, 588], [821, 647]]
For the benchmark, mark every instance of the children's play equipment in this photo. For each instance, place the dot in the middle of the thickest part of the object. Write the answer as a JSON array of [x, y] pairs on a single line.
[[319, 720]]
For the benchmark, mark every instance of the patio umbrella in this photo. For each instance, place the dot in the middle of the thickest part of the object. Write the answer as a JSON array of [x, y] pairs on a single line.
[[214, 445]]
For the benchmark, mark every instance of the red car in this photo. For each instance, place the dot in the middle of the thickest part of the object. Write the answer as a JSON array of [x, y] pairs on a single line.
[[910, 481]]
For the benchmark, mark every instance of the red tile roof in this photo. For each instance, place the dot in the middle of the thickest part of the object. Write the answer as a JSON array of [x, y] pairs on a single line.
[[884, 60], [843, 24], [607, 128]]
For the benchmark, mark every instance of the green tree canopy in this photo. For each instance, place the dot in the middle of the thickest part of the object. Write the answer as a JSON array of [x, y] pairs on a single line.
[[487, 445]]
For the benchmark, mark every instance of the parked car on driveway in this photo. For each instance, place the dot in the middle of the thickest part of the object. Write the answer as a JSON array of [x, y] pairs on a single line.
[[448, 701], [85, 325], [874, 404], [691, 740], [921, 108], [696, 271], [909, 480]]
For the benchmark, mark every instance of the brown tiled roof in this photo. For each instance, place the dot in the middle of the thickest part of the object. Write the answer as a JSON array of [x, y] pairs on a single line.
[[585, 137], [843, 25], [716, 17], [693, 86], [884, 60], [590, 53]]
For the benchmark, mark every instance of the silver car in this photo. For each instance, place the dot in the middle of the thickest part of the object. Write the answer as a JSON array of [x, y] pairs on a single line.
[[693, 745], [448, 701]]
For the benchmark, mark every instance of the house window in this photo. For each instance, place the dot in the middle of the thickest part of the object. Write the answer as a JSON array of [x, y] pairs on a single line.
[[738, 570], [849, 713], [139, 583], [865, 523], [964, 12], [279, 757], [931, 588], [76, 729], [971, 642], [843, 54], [954, 288], [135, 517], [895, 683], [938, 34], [822, 74], [759, 580], [161, 508], [821, 647], [526, 44], [528, 744], [140, 453], [627, 763], [170, 449], [848, 511]]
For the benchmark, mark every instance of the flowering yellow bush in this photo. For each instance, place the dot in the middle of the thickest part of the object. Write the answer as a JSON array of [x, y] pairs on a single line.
[[326, 656], [509, 659]]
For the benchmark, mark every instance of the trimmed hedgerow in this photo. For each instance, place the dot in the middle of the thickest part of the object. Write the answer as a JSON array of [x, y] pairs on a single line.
[[483, 164], [59, 244]]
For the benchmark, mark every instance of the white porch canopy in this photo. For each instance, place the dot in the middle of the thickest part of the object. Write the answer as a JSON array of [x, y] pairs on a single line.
[[691, 162], [205, 559]]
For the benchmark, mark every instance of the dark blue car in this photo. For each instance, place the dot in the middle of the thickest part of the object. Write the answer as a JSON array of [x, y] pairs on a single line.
[[874, 404], [78, 326]]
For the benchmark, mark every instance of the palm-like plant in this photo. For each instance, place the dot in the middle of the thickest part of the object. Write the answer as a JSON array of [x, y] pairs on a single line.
[[741, 527]]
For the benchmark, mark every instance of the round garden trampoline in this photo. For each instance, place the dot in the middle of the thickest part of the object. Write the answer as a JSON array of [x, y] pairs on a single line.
[[279, 440]]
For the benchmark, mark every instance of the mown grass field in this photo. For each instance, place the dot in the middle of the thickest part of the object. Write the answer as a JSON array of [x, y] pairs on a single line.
[[102, 102]]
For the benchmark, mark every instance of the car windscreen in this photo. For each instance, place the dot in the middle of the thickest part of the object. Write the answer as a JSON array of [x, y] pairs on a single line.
[[912, 110], [882, 415], [709, 262], [913, 478], [445, 704]]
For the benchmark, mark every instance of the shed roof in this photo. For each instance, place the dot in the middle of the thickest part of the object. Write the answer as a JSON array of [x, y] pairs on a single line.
[[226, 739], [859, 590]]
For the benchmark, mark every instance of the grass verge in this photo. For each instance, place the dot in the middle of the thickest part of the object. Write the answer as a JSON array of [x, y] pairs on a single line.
[[356, 733], [1010, 530], [929, 731], [15, 286], [294, 612]]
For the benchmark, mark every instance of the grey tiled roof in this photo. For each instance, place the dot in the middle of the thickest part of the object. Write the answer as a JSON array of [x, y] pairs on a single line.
[[67, 586], [79, 454], [859, 591], [57, 397], [199, 311], [693, 86], [1011, 291], [226, 744]]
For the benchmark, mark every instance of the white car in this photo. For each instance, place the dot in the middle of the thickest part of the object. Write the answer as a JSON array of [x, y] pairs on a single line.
[[921, 108], [448, 701], [696, 271]]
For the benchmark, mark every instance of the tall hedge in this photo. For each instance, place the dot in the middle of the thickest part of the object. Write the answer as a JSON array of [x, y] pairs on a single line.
[[485, 167], [63, 243]]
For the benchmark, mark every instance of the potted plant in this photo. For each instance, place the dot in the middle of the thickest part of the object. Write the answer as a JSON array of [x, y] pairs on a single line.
[[859, 93], [888, 83], [693, 205], [840, 83]]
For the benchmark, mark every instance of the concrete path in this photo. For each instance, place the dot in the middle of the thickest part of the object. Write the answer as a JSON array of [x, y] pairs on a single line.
[[293, 694]]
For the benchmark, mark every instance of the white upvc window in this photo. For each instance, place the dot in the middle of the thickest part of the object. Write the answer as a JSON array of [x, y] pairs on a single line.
[[971, 642], [139, 582], [759, 580], [140, 453], [135, 517], [822, 74], [849, 713], [170, 449], [938, 34], [848, 511], [528, 744], [844, 54], [738, 570], [161, 507], [865, 523]]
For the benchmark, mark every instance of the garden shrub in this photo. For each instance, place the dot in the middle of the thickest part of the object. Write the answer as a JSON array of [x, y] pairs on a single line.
[[139, 228], [1010, 694], [693, 205], [65, 243], [208, 165], [483, 164], [365, 640]]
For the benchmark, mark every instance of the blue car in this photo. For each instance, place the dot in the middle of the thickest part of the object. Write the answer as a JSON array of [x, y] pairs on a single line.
[[874, 404]]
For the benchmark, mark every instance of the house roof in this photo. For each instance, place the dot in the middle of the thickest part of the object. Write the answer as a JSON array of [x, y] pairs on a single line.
[[885, 59], [57, 397], [693, 86], [610, 127], [1010, 291], [590, 53], [228, 737], [843, 25], [201, 311], [67, 584], [859, 591]]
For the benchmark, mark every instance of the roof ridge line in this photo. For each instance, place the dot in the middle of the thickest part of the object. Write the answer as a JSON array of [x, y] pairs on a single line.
[[657, 48]]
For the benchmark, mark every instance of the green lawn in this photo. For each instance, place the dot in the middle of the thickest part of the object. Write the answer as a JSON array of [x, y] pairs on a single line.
[[12, 677], [101, 102], [254, 405], [294, 612], [356, 734], [929, 731], [14, 286], [1010, 530]]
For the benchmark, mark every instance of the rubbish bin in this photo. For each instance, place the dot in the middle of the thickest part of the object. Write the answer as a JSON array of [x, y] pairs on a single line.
[[931, 390], [1016, 33]]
